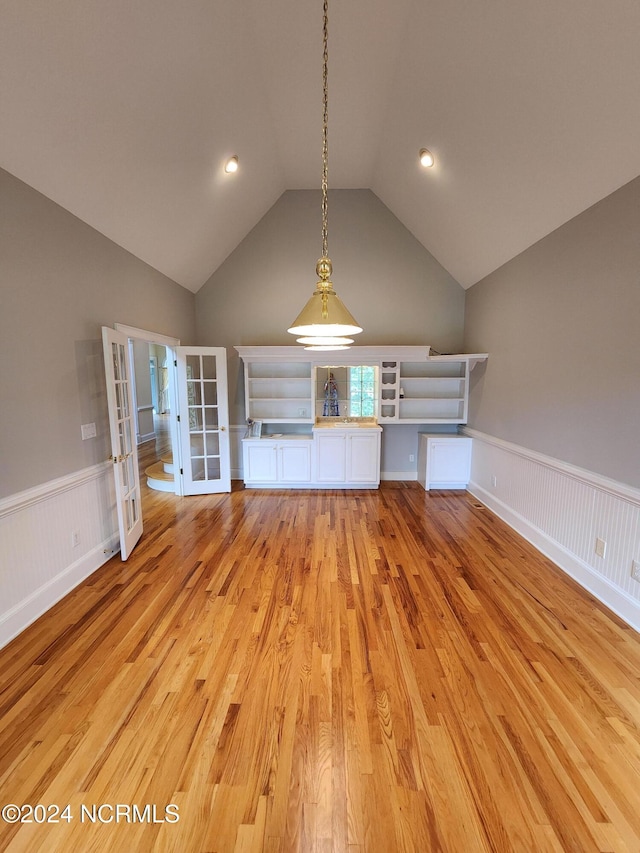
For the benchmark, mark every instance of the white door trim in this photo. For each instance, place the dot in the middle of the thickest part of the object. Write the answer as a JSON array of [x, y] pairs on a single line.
[[145, 335]]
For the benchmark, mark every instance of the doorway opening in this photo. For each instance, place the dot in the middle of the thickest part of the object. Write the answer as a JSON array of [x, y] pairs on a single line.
[[152, 357]]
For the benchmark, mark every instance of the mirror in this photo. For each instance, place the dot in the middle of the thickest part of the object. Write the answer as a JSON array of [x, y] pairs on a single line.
[[346, 392]]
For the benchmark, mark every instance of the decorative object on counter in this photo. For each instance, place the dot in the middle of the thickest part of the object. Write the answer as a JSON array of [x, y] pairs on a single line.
[[331, 406], [325, 318], [254, 428]]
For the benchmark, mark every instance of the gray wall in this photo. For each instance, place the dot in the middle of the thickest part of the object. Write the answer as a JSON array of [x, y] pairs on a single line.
[[60, 281], [396, 290], [560, 323]]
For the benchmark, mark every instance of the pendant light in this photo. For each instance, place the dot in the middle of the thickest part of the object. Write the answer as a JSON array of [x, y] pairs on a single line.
[[324, 316]]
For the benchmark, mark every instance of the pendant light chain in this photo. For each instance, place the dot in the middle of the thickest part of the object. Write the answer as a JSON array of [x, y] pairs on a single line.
[[325, 128], [325, 320]]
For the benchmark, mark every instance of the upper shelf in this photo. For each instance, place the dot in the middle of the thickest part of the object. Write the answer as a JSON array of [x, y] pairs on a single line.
[[354, 355]]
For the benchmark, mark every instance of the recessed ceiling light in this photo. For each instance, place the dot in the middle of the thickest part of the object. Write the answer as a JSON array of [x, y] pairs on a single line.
[[232, 164], [426, 158]]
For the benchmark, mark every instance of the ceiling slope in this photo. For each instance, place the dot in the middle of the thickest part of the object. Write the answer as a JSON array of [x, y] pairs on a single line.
[[124, 113]]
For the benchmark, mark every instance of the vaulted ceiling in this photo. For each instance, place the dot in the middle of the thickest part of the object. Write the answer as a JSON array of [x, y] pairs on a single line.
[[124, 113]]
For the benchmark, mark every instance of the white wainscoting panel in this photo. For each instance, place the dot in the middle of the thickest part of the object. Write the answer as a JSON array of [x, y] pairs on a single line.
[[39, 564], [562, 509]]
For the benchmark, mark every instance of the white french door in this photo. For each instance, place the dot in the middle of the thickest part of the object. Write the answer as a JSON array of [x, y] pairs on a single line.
[[203, 427], [124, 454]]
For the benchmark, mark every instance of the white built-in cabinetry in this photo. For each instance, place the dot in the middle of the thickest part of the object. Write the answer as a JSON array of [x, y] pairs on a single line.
[[433, 390], [328, 458], [282, 462], [413, 386], [279, 391], [444, 461], [348, 457]]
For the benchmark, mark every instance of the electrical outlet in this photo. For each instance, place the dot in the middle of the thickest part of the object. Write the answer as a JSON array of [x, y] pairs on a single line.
[[601, 547], [494, 480], [635, 570], [75, 539], [88, 431], [412, 457]]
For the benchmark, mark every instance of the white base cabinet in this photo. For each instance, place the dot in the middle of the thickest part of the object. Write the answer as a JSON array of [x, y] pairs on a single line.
[[277, 462], [444, 461], [348, 458], [329, 458]]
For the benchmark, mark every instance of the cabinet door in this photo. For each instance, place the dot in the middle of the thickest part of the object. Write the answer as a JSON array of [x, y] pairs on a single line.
[[260, 462], [364, 458], [332, 457], [449, 462], [294, 462]]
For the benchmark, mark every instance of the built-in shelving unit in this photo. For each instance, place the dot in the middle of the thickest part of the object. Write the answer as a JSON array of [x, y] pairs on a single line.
[[279, 391], [414, 386], [389, 390], [429, 391]]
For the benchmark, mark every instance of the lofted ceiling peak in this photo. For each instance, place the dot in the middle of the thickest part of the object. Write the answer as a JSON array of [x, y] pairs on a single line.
[[125, 113]]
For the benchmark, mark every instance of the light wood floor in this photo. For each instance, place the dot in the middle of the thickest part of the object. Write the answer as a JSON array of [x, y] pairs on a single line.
[[325, 671]]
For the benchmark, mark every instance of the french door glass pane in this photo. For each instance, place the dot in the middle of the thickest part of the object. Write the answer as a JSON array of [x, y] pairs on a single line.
[[213, 444], [124, 477], [134, 510], [213, 468], [197, 444], [122, 355], [209, 367], [197, 469], [193, 366], [210, 393], [194, 393], [116, 363], [211, 420], [130, 472], [195, 419]]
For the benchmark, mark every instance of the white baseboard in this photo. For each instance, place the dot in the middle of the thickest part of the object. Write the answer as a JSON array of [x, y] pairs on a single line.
[[561, 509]]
